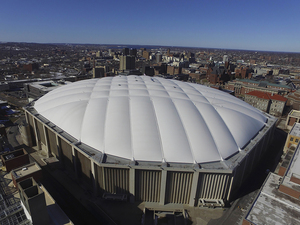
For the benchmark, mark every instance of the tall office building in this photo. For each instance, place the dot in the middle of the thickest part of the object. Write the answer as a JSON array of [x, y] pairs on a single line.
[[146, 54], [225, 58], [127, 62], [132, 51], [98, 54], [98, 72], [125, 51], [158, 58]]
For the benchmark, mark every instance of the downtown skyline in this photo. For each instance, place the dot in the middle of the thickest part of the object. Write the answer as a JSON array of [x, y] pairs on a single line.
[[246, 25]]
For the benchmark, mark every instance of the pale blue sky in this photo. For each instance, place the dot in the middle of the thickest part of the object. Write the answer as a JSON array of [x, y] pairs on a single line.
[[270, 25]]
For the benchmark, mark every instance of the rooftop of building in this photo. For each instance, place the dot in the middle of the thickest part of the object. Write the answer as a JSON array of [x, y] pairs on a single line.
[[26, 170], [295, 131], [264, 95], [136, 90], [12, 211], [272, 206], [49, 85], [259, 94], [293, 171], [263, 83], [294, 113], [278, 200]]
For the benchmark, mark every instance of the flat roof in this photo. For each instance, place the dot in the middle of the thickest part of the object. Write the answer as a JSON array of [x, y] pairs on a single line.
[[295, 113], [295, 130], [26, 169], [48, 85], [274, 207]]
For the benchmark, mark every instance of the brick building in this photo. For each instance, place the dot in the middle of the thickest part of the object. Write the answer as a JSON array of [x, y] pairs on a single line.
[[218, 75], [31, 67], [146, 55], [244, 86], [259, 100], [172, 70], [243, 72], [271, 103], [294, 100]]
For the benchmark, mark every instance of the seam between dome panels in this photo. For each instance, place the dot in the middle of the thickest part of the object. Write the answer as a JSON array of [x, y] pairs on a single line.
[[180, 117], [156, 122], [188, 141], [84, 115], [104, 126], [207, 125]]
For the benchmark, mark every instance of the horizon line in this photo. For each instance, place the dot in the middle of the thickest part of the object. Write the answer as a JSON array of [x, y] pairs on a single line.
[[170, 46]]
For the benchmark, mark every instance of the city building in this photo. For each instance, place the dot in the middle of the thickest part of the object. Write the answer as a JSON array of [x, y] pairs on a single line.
[[158, 58], [218, 75], [225, 58], [31, 67], [259, 100], [23, 200], [127, 62], [294, 100], [146, 54], [35, 90], [292, 118], [98, 72], [278, 199], [155, 140], [243, 86], [133, 51], [271, 103], [125, 51], [172, 70], [98, 54], [277, 105], [293, 138]]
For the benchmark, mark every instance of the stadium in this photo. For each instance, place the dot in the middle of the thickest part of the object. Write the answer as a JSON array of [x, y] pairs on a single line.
[[151, 139]]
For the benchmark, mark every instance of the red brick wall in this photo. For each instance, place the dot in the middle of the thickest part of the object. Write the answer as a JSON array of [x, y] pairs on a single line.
[[281, 171], [295, 180], [292, 121], [246, 222], [289, 191], [170, 70]]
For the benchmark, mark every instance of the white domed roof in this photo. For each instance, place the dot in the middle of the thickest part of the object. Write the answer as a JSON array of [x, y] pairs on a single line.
[[152, 119]]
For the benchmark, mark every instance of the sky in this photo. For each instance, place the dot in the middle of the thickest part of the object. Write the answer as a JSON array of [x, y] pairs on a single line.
[[269, 25]]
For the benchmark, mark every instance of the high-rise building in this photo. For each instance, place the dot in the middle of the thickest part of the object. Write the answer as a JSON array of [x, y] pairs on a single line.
[[146, 54], [132, 51], [98, 54], [125, 51], [168, 52], [158, 58], [127, 62], [225, 58], [98, 72]]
